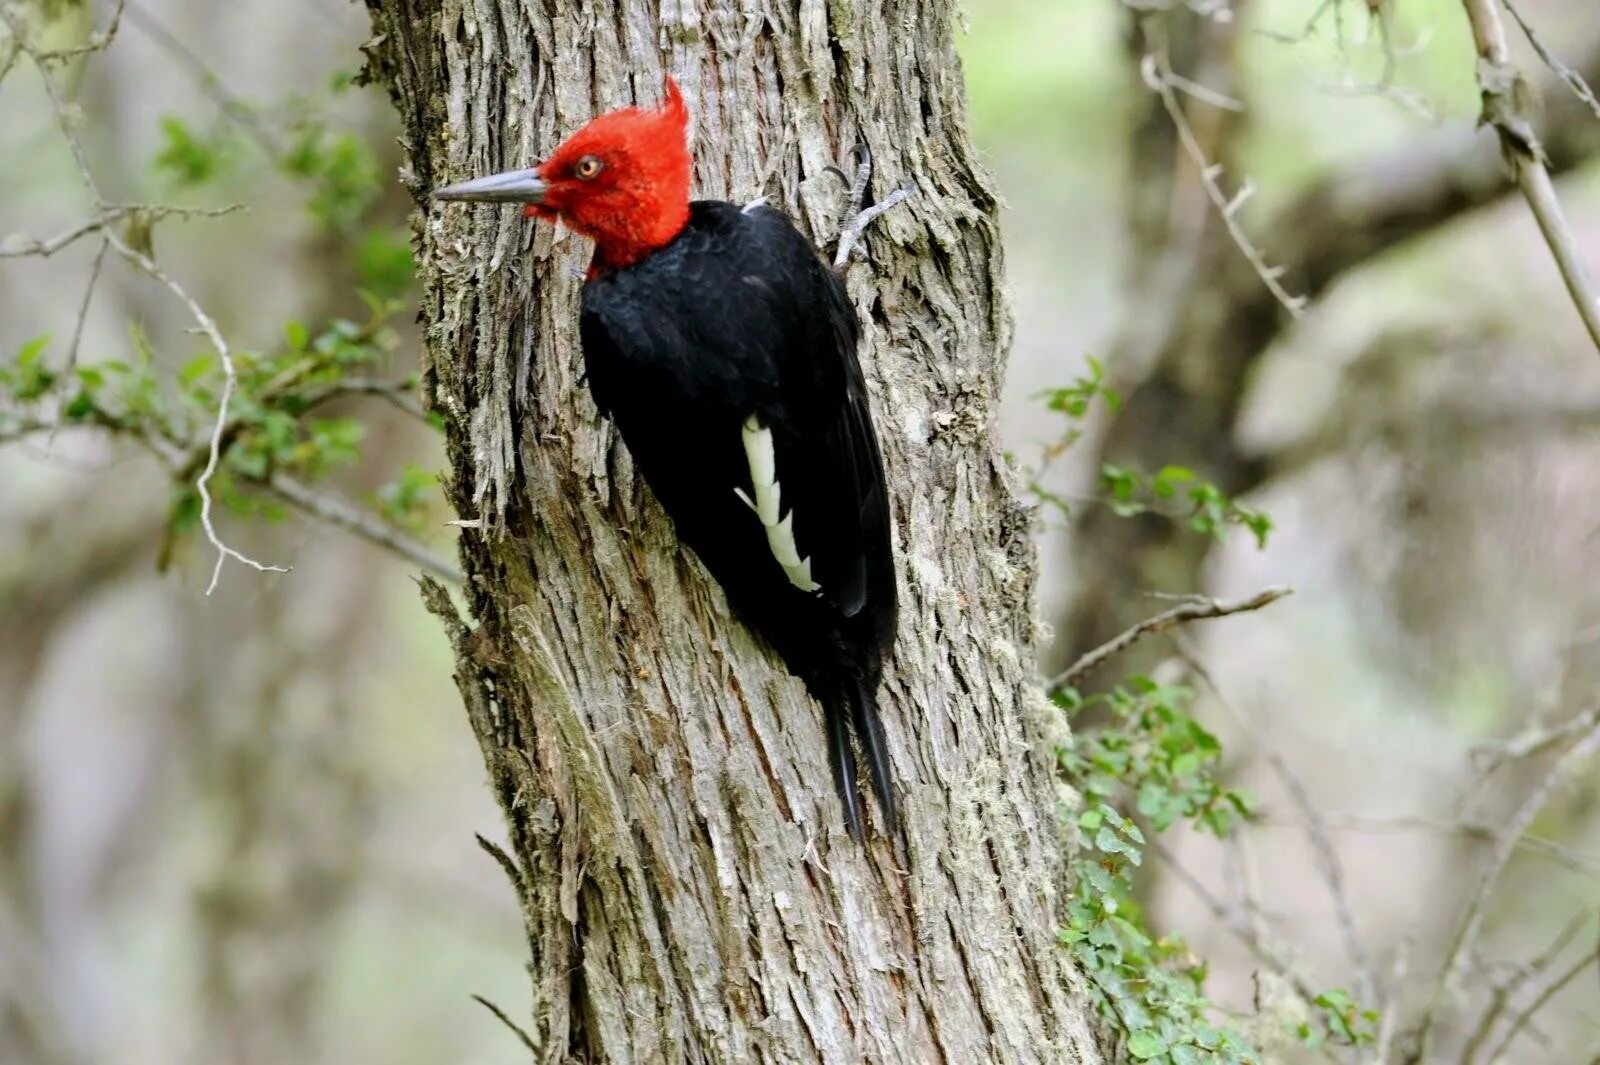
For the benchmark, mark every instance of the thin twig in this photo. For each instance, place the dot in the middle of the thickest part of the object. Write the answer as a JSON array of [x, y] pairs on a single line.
[[230, 381], [399, 394], [1506, 990], [1526, 744], [1505, 845], [526, 1039], [18, 246], [1327, 858], [83, 309], [148, 266], [1504, 109], [1567, 857], [1389, 1011], [1235, 922], [1157, 75], [1549, 991], [1199, 608], [1574, 80], [97, 42], [232, 106], [505, 861], [325, 506], [346, 515]]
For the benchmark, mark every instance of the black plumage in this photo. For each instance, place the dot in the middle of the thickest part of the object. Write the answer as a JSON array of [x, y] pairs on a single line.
[[738, 319]]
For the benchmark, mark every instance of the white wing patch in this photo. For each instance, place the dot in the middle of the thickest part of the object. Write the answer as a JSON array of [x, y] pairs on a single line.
[[764, 479]]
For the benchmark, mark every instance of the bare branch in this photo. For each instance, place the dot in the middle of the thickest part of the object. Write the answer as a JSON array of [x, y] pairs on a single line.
[[1549, 991], [83, 308], [229, 383], [1235, 922], [18, 246], [1505, 845], [1157, 76], [144, 263], [1504, 992], [1505, 109], [324, 506], [1199, 608], [1574, 80], [346, 515], [1327, 858], [399, 394], [1566, 857], [1389, 1011], [521, 1034], [234, 108], [97, 42]]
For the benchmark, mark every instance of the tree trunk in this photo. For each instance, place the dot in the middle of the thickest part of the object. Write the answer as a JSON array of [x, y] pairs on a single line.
[[689, 891]]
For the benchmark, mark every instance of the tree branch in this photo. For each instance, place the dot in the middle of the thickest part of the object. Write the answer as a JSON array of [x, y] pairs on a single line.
[[1199, 608], [1505, 845], [148, 266], [1549, 991], [1327, 857], [325, 506], [345, 515], [1505, 108]]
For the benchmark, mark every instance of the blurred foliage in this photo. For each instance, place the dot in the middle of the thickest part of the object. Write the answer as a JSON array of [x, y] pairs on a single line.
[[189, 158], [1175, 492], [273, 422], [1149, 755], [1210, 510], [1150, 989]]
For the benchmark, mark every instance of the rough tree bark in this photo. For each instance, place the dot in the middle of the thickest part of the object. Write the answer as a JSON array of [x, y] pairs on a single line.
[[688, 889]]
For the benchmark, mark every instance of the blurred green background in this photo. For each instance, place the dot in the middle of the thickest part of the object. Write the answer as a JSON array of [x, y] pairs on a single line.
[[240, 828]]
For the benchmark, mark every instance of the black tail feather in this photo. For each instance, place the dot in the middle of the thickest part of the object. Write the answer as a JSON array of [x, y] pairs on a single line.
[[848, 705], [869, 731], [844, 764]]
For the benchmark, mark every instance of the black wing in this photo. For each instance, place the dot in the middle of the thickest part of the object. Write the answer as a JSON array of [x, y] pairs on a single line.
[[738, 324], [739, 318]]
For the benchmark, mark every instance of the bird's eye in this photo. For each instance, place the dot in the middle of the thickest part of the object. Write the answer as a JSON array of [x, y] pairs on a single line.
[[588, 167]]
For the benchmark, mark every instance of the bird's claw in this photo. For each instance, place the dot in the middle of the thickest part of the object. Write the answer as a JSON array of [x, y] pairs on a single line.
[[861, 217]]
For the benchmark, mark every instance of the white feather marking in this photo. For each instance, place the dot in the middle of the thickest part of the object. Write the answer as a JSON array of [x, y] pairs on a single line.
[[780, 538], [759, 452], [759, 201]]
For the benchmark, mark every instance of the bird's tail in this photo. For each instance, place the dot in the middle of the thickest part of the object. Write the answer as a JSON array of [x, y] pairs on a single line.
[[852, 707]]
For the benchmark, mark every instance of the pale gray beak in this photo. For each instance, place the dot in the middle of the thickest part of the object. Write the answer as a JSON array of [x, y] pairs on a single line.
[[514, 186]]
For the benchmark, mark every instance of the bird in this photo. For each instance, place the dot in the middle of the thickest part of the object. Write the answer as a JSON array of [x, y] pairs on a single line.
[[723, 348]]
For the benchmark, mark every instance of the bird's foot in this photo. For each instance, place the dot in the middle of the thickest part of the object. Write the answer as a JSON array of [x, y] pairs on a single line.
[[863, 214]]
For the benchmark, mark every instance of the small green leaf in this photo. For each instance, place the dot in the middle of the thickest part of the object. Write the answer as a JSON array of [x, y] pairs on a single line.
[[196, 368], [1145, 1044], [32, 350]]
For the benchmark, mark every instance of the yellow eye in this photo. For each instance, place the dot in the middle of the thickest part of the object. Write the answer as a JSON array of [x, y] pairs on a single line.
[[588, 167]]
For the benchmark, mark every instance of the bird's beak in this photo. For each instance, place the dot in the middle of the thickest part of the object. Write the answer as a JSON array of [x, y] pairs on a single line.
[[514, 186]]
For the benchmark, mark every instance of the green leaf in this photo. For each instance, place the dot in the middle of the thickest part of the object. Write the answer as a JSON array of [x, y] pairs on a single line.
[[384, 262], [188, 158], [1145, 1044], [79, 409], [196, 368], [29, 355]]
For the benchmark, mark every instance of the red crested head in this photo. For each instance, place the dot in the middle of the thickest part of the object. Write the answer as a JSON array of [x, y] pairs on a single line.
[[622, 180]]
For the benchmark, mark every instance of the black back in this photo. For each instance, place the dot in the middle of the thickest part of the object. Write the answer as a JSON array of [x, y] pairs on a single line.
[[739, 316]]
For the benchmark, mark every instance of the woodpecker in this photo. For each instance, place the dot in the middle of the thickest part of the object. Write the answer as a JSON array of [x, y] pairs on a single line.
[[723, 349]]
